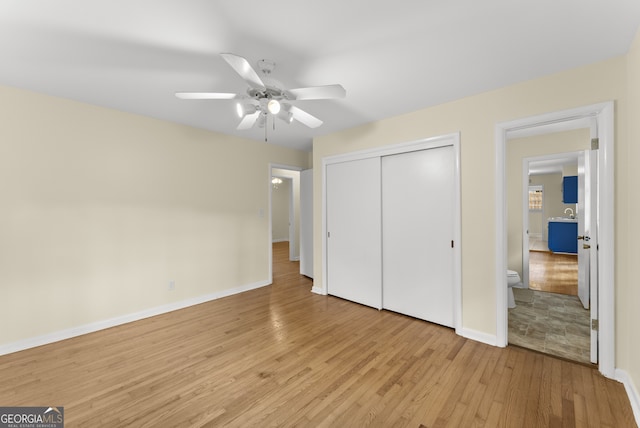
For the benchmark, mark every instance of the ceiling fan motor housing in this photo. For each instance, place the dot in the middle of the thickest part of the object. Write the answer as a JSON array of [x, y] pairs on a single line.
[[266, 66]]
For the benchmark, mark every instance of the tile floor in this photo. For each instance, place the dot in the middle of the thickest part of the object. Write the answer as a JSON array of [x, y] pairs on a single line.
[[552, 323]]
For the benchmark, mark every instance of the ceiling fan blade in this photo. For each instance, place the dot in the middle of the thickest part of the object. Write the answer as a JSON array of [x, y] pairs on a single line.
[[317, 92], [244, 69], [206, 95], [304, 117], [249, 120]]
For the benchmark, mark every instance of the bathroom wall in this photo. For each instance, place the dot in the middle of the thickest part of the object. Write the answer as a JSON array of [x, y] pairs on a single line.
[[552, 200], [536, 224]]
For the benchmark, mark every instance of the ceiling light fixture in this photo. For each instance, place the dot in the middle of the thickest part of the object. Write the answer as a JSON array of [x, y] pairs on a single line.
[[273, 106], [276, 181], [285, 114]]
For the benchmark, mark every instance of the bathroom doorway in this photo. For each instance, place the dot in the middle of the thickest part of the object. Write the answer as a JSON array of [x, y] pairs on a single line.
[[548, 316], [600, 116]]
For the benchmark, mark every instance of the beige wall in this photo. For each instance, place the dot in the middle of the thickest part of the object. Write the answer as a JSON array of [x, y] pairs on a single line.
[[628, 285], [475, 118], [516, 150], [535, 225], [101, 209], [551, 203]]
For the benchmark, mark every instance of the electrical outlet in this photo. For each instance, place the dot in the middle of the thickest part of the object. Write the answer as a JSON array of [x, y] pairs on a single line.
[[172, 285]]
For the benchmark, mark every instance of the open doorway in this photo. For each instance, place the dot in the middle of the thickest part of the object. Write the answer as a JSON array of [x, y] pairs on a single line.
[[547, 314], [601, 223], [284, 203]]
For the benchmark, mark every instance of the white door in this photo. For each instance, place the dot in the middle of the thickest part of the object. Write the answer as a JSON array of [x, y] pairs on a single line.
[[306, 222], [590, 241], [353, 231], [583, 253], [417, 234]]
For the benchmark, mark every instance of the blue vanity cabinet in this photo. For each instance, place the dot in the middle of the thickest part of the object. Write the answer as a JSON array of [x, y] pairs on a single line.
[[570, 189], [563, 237]]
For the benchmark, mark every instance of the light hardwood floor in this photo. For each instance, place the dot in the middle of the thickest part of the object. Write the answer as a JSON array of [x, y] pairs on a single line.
[[553, 273], [282, 356]]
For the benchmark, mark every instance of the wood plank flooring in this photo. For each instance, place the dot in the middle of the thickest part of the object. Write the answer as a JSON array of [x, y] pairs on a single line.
[[283, 356], [553, 273]]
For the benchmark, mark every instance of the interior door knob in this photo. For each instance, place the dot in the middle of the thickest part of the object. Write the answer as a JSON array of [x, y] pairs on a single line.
[[586, 246]]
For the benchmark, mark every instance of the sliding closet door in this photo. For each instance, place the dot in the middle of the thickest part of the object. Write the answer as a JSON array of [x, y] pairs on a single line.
[[418, 229], [353, 226]]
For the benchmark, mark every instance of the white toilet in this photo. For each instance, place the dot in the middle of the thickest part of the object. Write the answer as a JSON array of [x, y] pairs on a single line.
[[513, 280]]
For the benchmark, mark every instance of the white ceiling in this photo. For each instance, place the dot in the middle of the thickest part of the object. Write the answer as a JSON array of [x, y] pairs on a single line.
[[553, 165], [391, 57]]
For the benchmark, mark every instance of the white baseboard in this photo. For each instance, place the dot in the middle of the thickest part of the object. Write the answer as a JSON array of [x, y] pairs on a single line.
[[279, 240], [32, 342], [478, 336], [318, 290], [632, 392]]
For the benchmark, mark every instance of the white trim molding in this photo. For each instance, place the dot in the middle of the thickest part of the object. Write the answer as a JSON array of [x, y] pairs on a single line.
[[80, 330], [632, 392], [603, 113], [478, 336], [318, 290]]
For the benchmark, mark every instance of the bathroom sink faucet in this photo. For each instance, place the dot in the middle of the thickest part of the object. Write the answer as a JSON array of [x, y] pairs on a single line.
[[570, 215]]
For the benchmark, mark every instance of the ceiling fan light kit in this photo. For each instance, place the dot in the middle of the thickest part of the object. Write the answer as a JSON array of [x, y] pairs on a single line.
[[262, 100], [273, 106]]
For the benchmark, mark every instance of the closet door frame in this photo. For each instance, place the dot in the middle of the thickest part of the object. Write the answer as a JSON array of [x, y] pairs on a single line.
[[392, 149]]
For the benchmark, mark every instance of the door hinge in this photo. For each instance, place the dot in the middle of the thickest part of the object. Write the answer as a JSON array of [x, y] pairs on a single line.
[[595, 143], [594, 325]]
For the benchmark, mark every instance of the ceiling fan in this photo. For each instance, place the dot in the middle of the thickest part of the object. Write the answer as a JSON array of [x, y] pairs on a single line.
[[267, 98]]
